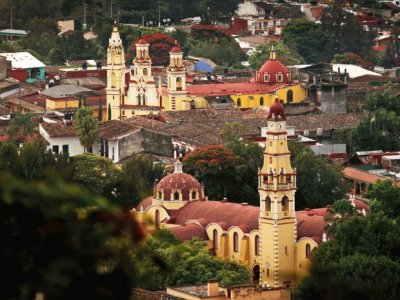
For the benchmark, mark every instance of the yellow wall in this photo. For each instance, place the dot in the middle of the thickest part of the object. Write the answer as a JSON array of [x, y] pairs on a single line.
[[54, 104], [253, 100], [302, 262]]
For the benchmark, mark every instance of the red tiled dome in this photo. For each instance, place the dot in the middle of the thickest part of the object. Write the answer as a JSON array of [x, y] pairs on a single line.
[[176, 49], [141, 41], [277, 109], [273, 67], [182, 183]]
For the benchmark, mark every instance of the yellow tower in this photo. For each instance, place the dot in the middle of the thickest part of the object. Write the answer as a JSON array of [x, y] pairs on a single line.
[[176, 74], [115, 74], [277, 187]]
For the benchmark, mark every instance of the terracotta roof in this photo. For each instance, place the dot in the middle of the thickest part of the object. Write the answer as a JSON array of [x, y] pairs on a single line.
[[273, 67], [176, 49], [145, 203], [232, 214], [310, 224], [58, 129], [182, 182], [360, 205], [227, 89], [189, 231], [357, 174], [141, 41], [113, 129]]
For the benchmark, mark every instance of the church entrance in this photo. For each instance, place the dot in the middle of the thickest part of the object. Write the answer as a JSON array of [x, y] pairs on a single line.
[[256, 274]]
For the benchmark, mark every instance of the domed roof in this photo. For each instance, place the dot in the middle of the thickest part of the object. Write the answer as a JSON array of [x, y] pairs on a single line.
[[277, 109], [176, 49], [273, 71], [182, 183], [141, 41]]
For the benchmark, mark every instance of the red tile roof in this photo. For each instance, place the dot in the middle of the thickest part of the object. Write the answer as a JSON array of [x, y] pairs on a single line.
[[273, 67], [226, 89], [310, 225], [58, 129], [189, 231], [112, 129], [183, 182], [353, 173]]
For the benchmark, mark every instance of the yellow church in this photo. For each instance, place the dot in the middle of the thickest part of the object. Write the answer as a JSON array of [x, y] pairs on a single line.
[[134, 91], [273, 240]]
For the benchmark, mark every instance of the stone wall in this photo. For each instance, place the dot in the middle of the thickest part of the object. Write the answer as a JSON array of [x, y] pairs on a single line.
[[145, 141], [333, 99]]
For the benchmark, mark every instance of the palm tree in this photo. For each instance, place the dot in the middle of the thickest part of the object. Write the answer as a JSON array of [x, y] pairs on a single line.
[[21, 125], [86, 127]]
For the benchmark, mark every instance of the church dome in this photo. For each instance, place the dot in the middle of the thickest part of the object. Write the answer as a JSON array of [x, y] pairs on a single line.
[[176, 49], [277, 109], [179, 186], [273, 71], [141, 41]]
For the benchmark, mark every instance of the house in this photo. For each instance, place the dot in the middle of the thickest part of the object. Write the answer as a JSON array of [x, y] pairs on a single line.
[[11, 34], [25, 67], [253, 8]]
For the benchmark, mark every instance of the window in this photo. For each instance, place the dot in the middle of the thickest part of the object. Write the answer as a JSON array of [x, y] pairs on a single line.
[[112, 153], [261, 101], [239, 102], [285, 203], [266, 77], [289, 76], [176, 196], [65, 149], [268, 204], [145, 72], [257, 245], [194, 195], [179, 84], [235, 242], [279, 77], [308, 250], [55, 149], [215, 239], [286, 250], [289, 96], [268, 272], [157, 219], [113, 80]]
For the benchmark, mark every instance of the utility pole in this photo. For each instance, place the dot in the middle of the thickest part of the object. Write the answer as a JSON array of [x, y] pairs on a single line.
[[111, 12], [11, 21], [159, 16]]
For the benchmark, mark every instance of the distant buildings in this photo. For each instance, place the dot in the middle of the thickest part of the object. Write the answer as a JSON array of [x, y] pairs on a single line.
[[25, 67]]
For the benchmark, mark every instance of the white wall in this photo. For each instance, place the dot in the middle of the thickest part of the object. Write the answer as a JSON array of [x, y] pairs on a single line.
[[74, 145]]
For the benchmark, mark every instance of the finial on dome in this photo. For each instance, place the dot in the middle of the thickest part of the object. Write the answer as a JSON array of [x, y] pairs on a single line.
[[115, 26], [178, 167], [272, 53]]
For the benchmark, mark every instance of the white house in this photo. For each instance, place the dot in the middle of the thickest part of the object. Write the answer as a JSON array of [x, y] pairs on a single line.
[[61, 138]]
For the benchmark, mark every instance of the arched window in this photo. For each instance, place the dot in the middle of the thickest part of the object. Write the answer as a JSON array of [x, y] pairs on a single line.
[[279, 77], [308, 249], [286, 250], [113, 81], [179, 84], [194, 195], [268, 204], [145, 72], [268, 272], [176, 196], [235, 242], [289, 96], [215, 239], [261, 101], [157, 219], [159, 195], [266, 77], [257, 245], [285, 203], [239, 102], [112, 56]]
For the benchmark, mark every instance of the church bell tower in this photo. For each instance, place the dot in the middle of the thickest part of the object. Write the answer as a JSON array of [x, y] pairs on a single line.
[[277, 187], [115, 74]]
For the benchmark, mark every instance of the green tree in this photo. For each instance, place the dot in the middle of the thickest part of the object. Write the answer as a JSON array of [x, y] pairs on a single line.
[[87, 127], [63, 242], [284, 54], [21, 125], [385, 198], [94, 173], [167, 261], [344, 32], [136, 180], [305, 38], [319, 182]]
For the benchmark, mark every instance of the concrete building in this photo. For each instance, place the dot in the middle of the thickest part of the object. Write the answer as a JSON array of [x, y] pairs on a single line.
[[25, 67]]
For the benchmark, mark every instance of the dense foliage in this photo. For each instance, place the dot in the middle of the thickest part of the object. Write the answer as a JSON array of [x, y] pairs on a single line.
[[166, 261], [361, 260]]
